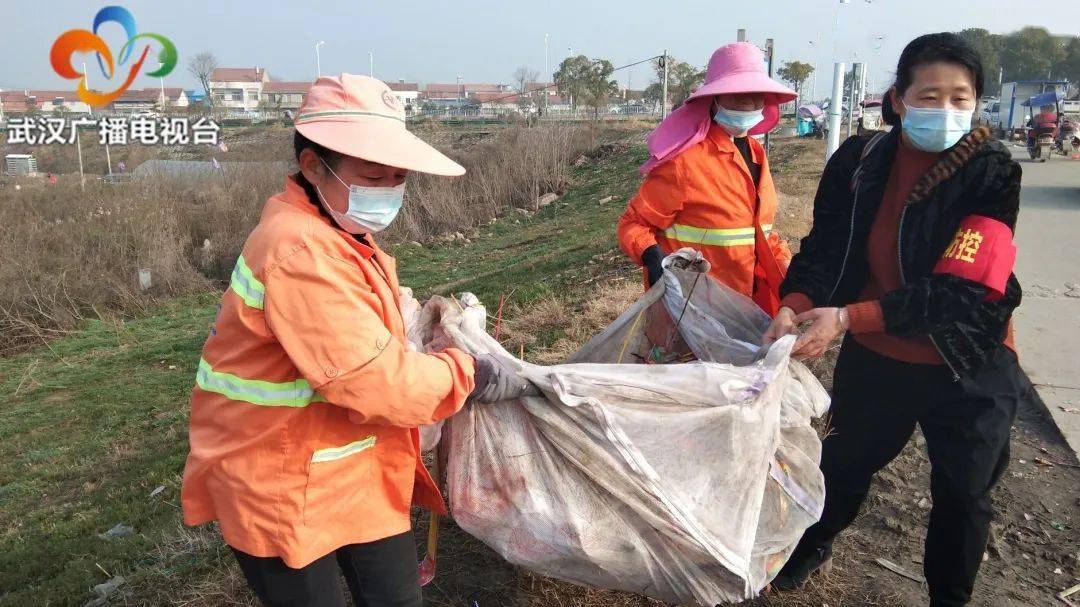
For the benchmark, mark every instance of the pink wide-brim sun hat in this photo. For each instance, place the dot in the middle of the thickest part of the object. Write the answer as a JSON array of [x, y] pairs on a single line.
[[734, 68], [359, 116], [740, 68]]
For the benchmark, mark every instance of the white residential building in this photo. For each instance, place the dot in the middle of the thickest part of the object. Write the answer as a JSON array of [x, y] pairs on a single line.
[[407, 93], [284, 95], [237, 88]]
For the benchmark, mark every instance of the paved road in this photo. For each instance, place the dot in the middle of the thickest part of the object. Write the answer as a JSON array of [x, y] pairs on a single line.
[[1048, 320]]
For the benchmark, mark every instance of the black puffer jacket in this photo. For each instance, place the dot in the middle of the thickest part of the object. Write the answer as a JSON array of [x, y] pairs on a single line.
[[975, 177]]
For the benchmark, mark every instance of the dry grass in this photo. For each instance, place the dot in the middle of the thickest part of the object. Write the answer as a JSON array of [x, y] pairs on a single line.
[[574, 322], [509, 170], [68, 254]]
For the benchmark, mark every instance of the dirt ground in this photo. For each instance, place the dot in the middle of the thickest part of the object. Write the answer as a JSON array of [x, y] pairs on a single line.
[[1034, 551]]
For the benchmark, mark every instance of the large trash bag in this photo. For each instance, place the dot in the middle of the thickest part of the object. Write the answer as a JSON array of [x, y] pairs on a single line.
[[636, 470]]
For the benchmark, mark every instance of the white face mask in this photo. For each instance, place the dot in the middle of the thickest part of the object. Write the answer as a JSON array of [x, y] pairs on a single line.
[[737, 123], [935, 129], [370, 209]]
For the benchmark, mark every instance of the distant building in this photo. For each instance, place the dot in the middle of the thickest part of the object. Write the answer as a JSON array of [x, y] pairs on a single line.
[[284, 95], [434, 91], [239, 88], [50, 102], [16, 102], [175, 97], [20, 164], [465, 91], [543, 88], [134, 101], [407, 93]]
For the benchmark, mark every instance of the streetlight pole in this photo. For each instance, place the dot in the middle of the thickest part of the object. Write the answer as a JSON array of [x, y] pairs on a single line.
[[318, 61], [108, 157], [371, 64], [164, 101], [547, 79], [547, 67], [877, 57], [836, 104]]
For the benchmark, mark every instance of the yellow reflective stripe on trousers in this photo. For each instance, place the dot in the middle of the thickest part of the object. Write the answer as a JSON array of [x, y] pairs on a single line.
[[333, 453], [717, 237], [244, 284], [296, 393]]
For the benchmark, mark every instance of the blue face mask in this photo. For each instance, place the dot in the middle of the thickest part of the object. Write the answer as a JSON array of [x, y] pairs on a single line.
[[935, 129], [370, 209], [737, 122]]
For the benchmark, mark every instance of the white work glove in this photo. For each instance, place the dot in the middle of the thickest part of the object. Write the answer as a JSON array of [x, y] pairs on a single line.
[[497, 381]]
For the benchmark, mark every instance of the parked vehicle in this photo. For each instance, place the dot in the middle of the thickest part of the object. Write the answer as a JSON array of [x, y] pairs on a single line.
[[1040, 146], [1013, 114], [1067, 141], [870, 117], [990, 115], [810, 122]]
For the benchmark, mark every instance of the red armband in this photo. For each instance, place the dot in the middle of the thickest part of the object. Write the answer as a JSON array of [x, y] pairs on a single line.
[[982, 251]]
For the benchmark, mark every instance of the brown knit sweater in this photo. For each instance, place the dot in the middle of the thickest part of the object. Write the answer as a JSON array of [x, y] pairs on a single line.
[[866, 321]]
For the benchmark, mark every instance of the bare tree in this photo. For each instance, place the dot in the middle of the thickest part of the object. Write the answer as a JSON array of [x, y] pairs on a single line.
[[523, 76], [201, 66]]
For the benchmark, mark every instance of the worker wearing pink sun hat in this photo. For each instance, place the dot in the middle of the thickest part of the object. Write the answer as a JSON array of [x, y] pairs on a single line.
[[707, 182]]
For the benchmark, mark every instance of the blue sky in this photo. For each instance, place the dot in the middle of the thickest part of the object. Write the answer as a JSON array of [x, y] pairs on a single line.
[[485, 40]]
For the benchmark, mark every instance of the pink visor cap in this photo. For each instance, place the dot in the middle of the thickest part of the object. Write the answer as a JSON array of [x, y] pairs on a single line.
[[359, 116]]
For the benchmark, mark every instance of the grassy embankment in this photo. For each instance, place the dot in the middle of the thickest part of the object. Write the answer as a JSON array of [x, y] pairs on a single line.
[[93, 423]]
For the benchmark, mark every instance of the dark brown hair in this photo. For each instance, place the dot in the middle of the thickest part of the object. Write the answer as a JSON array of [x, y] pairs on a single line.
[[932, 48], [332, 158]]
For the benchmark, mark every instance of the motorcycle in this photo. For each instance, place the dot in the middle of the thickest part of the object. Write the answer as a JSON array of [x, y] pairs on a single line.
[[1040, 144], [1042, 134], [1067, 141]]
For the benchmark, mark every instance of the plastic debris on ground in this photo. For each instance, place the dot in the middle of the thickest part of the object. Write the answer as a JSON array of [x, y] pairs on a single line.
[[672, 456]]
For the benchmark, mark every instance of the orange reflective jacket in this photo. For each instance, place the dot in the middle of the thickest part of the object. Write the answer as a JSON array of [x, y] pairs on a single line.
[[303, 419], [705, 198]]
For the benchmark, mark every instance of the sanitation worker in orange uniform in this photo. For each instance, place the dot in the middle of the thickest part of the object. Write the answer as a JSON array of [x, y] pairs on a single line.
[[707, 182], [304, 441]]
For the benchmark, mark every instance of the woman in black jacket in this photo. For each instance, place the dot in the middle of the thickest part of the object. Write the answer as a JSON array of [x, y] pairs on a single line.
[[911, 253]]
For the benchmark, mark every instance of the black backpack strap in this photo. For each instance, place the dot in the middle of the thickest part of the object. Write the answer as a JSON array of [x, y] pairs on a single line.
[[878, 136]]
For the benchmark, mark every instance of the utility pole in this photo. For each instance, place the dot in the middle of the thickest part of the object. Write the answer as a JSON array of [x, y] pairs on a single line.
[[371, 63], [1, 104], [835, 106], [547, 80], [78, 146], [862, 81], [108, 157], [663, 86], [547, 68], [769, 61], [852, 94], [163, 100], [318, 62]]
